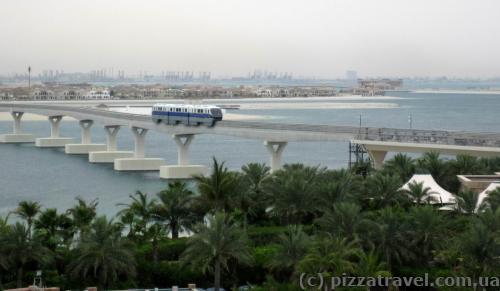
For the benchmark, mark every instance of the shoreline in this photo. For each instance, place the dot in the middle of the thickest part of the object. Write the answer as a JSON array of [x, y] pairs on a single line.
[[458, 91], [121, 102]]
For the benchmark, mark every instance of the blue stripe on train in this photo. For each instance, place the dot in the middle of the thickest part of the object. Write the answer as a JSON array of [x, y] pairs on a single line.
[[185, 114]]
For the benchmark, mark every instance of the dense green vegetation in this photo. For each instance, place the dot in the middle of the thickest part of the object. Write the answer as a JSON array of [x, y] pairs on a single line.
[[261, 229]]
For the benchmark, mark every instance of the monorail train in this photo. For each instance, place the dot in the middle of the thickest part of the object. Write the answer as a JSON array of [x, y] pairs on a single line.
[[173, 114]]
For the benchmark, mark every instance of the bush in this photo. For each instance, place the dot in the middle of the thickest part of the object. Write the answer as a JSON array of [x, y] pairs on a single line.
[[272, 285], [168, 249], [167, 274], [265, 235]]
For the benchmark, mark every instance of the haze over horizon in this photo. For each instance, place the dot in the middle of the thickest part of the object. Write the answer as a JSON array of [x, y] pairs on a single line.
[[456, 38]]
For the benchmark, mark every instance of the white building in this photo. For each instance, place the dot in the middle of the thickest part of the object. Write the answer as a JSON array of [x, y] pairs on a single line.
[[98, 95], [264, 92], [43, 95], [6, 96], [73, 95]]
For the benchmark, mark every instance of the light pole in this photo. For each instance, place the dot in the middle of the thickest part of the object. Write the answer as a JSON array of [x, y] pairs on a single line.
[[410, 120], [29, 77]]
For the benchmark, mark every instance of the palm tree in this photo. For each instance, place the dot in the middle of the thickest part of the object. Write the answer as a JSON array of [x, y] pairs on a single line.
[[491, 219], [4, 254], [420, 194], [28, 210], [401, 165], [344, 220], [425, 231], [336, 186], [466, 165], [331, 256], [53, 228], [293, 188], [432, 164], [490, 165], [467, 201], [82, 214], [175, 208], [251, 200], [292, 247], [370, 265], [481, 249], [493, 199], [218, 189], [214, 245], [245, 203], [4, 223], [142, 207], [389, 235], [255, 175], [362, 168], [128, 221], [22, 250], [103, 255], [155, 232], [385, 190]]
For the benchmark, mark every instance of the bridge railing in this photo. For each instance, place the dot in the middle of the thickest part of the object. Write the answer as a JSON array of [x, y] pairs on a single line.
[[84, 110]]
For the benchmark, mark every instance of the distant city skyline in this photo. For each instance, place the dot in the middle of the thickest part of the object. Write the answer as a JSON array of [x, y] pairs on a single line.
[[229, 38]]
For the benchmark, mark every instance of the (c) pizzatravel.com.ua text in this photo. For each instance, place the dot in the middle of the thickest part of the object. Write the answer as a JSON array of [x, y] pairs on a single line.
[[321, 282]]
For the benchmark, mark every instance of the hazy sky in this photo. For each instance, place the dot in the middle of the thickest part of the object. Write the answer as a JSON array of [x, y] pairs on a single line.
[[233, 37]]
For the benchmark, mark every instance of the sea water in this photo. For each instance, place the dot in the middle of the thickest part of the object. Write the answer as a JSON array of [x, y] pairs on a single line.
[[55, 179]]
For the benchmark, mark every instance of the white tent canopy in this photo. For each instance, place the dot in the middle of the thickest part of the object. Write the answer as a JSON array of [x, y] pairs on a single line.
[[436, 191], [483, 195]]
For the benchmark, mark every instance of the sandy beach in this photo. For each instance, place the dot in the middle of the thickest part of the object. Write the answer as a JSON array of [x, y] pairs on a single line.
[[316, 105], [447, 91]]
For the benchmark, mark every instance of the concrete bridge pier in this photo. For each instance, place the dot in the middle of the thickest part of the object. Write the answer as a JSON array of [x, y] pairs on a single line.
[[54, 140], [275, 148], [377, 158], [86, 144], [111, 153], [183, 170], [17, 136], [138, 162]]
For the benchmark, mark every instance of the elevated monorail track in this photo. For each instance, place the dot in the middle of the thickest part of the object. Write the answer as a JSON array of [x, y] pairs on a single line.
[[269, 130]]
